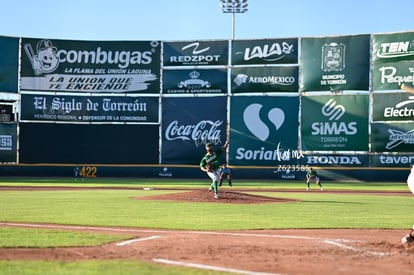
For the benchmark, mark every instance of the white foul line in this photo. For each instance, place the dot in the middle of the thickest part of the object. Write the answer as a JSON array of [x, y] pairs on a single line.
[[136, 240], [211, 267]]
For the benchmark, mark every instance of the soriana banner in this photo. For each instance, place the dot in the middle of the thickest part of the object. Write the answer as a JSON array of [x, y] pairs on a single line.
[[392, 137], [335, 63], [264, 130], [265, 51], [265, 79], [188, 123], [196, 81], [93, 67], [393, 107], [335, 123], [393, 47], [195, 53], [9, 60]]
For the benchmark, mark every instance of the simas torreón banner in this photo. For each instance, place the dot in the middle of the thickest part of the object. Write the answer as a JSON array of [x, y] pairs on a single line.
[[89, 108], [390, 76], [265, 79], [335, 123], [265, 51], [393, 47], [393, 107], [335, 63], [195, 81], [8, 142], [392, 137], [93, 67], [188, 124], [264, 130], [9, 60], [196, 53]]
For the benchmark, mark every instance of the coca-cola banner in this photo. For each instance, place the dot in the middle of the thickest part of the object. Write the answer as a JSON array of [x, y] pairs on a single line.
[[188, 123], [265, 51], [86, 66], [194, 53]]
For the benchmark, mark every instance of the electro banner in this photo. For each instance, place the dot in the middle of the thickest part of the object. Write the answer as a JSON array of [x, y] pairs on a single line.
[[264, 130], [196, 53], [188, 123], [265, 79], [265, 51], [392, 137], [89, 108], [335, 63], [93, 67], [195, 81], [393, 47], [393, 107], [390, 76], [335, 123], [9, 60], [8, 142]]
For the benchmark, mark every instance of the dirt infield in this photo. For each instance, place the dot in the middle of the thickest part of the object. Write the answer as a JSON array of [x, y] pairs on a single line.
[[326, 251]]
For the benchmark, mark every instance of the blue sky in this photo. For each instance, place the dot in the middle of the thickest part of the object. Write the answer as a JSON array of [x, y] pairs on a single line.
[[199, 19]]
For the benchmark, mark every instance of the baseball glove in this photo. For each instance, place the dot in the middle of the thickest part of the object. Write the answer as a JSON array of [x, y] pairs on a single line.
[[209, 166]]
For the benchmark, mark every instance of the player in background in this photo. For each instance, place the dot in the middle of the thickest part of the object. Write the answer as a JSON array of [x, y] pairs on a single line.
[[225, 173], [409, 238], [210, 163], [311, 175]]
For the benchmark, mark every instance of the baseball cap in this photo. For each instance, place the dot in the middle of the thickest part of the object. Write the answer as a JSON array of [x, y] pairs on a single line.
[[209, 144]]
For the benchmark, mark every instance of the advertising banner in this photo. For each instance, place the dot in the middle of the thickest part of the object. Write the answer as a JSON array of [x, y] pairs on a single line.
[[265, 79], [393, 107], [335, 63], [93, 67], [188, 124], [336, 122], [392, 160], [196, 53], [337, 159], [89, 144], [195, 81], [8, 142], [264, 130], [392, 137], [9, 62], [89, 108], [390, 76], [265, 51], [393, 47]]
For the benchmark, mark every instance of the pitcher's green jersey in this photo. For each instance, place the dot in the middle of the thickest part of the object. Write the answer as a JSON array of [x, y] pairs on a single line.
[[213, 158]]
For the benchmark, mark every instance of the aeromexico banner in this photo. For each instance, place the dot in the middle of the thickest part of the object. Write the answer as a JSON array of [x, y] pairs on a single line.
[[265, 79], [264, 130], [392, 137], [8, 142], [393, 47], [265, 51], [335, 123], [393, 107], [335, 63], [9, 60], [89, 108], [86, 66], [390, 76], [195, 81], [195, 53], [188, 123]]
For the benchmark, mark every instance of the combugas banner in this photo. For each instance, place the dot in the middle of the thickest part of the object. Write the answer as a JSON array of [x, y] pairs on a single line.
[[9, 60], [89, 108], [8, 142], [264, 130], [392, 137], [93, 67], [265, 51], [393, 47], [335, 63], [188, 123], [336, 122]]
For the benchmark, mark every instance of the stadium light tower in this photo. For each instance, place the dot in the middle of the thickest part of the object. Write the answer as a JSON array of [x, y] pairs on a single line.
[[233, 7]]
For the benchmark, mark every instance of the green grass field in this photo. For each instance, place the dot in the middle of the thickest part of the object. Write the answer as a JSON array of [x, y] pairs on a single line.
[[109, 207]]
